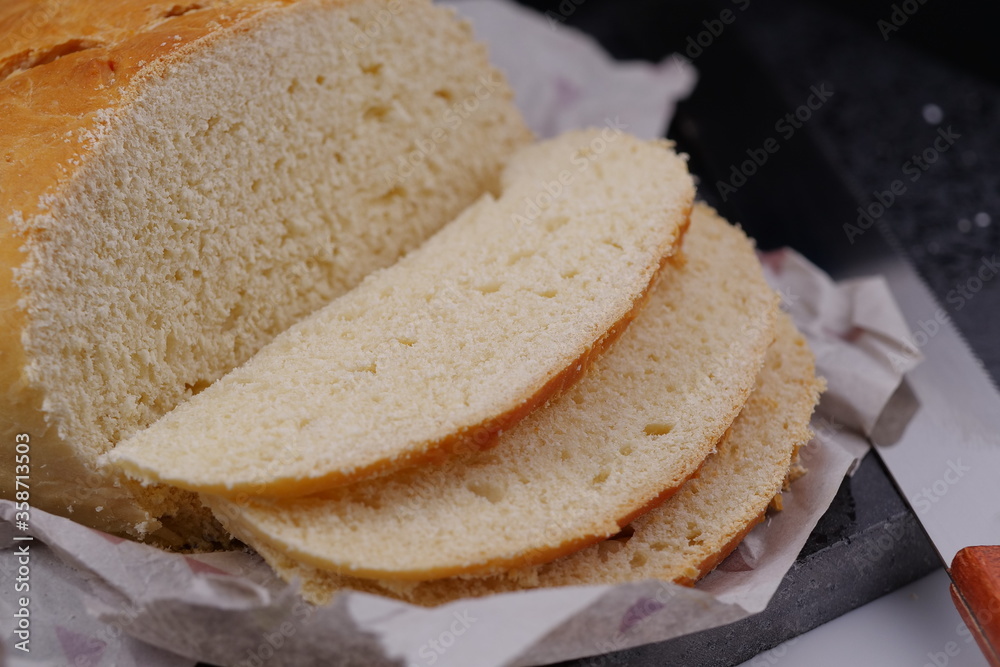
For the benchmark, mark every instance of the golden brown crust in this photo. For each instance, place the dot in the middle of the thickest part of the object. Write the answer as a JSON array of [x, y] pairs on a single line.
[[32, 31], [51, 111], [486, 568], [713, 561], [320, 583]]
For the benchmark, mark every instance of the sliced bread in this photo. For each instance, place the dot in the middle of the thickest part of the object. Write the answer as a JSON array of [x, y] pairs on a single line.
[[495, 314], [681, 540], [180, 182], [574, 472]]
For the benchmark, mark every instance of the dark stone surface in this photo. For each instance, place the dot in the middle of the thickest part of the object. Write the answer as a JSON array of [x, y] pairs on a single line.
[[870, 128], [867, 545], [876, 122], [763, 65]]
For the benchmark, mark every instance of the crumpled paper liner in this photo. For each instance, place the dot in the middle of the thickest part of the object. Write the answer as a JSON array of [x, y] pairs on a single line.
[[563, 80], [99, 600], [861, 375], [95, 595]]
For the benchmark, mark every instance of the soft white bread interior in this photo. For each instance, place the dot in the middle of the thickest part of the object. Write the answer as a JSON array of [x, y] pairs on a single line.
[[620, 441], [681, 540], [181, 182], [498, 312]]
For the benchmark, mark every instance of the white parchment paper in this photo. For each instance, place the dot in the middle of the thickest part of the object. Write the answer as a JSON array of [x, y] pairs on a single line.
[[563, 79], [98, 600], [101, 600]]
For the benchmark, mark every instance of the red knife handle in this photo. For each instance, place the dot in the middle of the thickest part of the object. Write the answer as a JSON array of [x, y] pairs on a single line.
[[975, 575]]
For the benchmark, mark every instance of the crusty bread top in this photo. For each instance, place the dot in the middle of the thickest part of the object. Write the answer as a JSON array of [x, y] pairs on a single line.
[[619, 442], [63, 69], [683, 539], [459, 340], [53, 105], [37, 32]]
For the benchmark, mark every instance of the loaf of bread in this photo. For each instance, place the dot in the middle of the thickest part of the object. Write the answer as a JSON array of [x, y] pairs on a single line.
[[203, 207], [180, 182], [574, 472], [681, 540], [494, 315]]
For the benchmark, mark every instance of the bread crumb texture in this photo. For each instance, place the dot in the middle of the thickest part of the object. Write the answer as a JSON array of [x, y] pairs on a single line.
[[458, 340], [681, 540], [624, 438], [180, 182]]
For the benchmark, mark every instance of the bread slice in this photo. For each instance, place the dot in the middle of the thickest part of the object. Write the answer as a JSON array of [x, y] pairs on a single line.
[[180, 182], [619, 442], [681, 540], [457, 341]]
